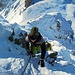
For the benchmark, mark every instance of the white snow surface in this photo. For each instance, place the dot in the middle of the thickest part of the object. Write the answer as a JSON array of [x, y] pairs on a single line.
[[55, 20]]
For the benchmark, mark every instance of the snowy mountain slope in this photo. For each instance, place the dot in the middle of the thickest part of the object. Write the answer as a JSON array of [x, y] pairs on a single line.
[[47, 5], [11, 8], [5, 3], [15, 10], [41, 7], [51, 21], [12, 56]]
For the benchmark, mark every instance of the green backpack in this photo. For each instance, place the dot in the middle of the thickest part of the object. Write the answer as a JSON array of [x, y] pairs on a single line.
[[38, 48]]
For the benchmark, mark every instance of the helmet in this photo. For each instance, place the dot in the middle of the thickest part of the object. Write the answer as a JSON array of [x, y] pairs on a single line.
[[34, 33]]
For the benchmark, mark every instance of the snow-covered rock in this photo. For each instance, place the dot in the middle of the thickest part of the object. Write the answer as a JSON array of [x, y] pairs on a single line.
[[54, 26]]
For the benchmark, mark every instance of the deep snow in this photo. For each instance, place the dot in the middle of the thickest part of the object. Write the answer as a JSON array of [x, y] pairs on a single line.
[[55, 20]]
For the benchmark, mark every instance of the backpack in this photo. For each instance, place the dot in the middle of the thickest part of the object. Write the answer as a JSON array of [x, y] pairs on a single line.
[[38, 48]]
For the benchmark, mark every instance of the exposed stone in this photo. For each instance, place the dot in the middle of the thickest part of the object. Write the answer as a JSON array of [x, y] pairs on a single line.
[[27, 3]]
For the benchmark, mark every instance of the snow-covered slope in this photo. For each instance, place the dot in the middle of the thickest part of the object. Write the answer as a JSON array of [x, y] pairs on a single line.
[[5, 3], [54, 26], [54, 20], [21, 16]]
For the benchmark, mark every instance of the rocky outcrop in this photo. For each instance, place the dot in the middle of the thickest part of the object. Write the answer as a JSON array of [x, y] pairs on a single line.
[[27, 3]]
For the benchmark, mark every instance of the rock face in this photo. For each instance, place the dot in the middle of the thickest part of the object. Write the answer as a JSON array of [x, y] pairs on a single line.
[[27, 3], [18, 35]]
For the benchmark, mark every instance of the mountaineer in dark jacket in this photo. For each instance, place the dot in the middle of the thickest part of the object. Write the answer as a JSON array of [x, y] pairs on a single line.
[[37, 43]]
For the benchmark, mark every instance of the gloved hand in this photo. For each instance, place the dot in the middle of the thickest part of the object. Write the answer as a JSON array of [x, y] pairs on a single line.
[[29, 52], [42, 62]]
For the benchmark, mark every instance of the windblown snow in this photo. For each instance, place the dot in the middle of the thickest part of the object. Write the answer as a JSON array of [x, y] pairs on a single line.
[[55, 20]]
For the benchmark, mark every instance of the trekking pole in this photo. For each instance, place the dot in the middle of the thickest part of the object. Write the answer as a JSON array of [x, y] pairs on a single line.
[[26, 65]]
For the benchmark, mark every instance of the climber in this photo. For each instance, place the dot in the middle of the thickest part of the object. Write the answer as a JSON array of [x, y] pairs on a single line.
[[35, 43]]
